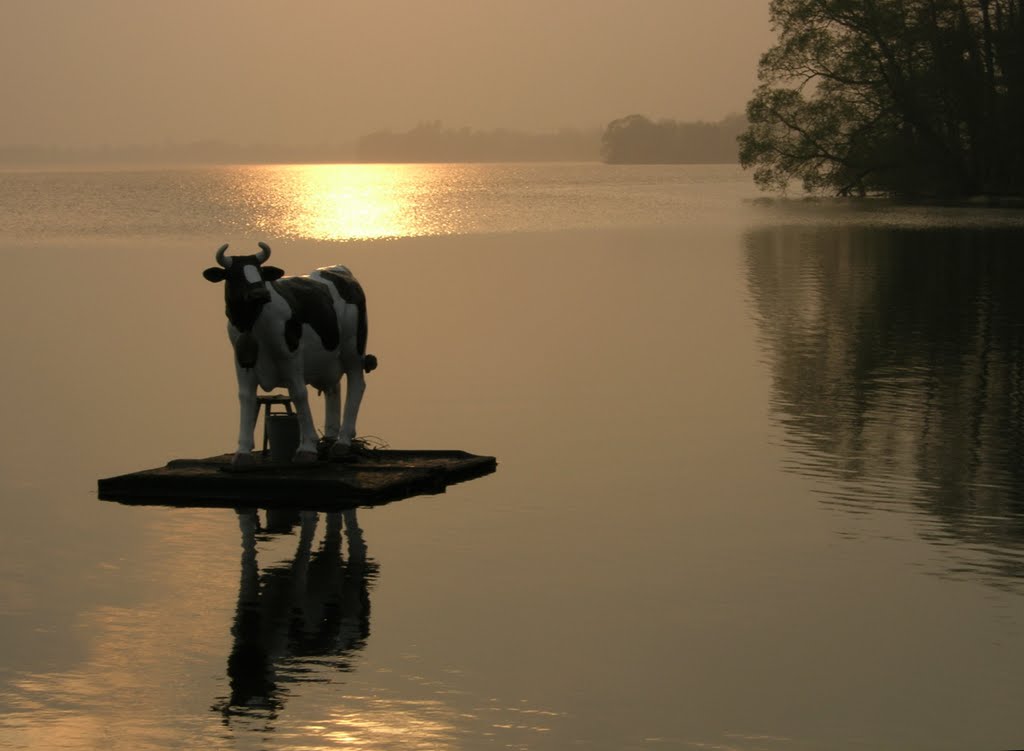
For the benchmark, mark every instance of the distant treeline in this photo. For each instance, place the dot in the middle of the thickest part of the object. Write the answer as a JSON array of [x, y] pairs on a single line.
[[634, 139], [432, 142], [639, 140], [427, 142]]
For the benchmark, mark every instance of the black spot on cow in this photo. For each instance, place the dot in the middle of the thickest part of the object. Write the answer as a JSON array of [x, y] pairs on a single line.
[[247, 350], [311, 304], [351, 292], [292, 333]]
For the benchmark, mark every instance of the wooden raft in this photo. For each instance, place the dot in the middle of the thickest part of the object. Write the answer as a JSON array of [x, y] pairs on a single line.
[[368, 478]]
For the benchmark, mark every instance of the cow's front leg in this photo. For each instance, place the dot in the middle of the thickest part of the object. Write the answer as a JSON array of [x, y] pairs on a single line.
[[247, 409], [306, 453]]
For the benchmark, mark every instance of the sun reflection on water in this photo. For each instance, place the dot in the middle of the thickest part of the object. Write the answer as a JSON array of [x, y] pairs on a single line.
[[388, 724], [350, 201]]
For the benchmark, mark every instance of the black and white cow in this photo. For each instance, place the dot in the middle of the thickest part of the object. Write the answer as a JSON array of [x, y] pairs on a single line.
[[294, 331]]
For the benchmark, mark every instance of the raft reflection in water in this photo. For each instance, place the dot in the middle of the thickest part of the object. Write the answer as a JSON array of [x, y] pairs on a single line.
[[315, 605]]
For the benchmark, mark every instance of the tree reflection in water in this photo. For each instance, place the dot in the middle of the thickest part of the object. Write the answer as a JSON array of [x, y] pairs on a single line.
[[314, 608], [897, 359]]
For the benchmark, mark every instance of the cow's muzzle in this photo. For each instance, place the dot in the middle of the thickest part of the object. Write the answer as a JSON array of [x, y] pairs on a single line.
[[257, 295]]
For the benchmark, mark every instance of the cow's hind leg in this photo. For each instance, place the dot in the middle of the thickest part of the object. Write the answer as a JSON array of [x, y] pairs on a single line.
[[355, 386], [306, 453], [332, 415]]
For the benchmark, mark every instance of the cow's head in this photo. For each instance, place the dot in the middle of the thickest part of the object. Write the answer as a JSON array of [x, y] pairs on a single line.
[[245, 294], [245, 289]]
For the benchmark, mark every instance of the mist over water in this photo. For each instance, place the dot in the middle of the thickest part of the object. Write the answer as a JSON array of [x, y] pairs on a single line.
[[758, 480]]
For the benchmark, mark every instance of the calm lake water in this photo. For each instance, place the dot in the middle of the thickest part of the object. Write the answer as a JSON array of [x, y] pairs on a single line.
[[760, 483]]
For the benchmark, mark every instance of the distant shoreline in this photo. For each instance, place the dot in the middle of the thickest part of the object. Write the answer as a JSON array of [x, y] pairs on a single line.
[[427, 143], [980, 201], [169, 164]]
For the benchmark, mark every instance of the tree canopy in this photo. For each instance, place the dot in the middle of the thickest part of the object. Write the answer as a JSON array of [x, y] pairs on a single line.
[[903, 97]]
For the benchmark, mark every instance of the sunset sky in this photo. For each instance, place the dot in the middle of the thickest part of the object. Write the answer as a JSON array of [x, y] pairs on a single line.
[[97, 72]]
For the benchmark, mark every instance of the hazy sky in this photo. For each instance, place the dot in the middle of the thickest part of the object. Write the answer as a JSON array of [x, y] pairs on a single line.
[[89, 72]]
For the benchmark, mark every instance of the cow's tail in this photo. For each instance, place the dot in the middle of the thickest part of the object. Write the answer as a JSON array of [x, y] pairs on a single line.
[[362, 329]]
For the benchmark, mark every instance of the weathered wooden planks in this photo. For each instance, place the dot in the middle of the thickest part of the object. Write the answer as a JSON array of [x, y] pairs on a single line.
[[367, 479]]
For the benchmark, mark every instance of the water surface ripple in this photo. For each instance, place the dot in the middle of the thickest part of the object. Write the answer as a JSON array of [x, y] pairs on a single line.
[[760, 471], [898, 371]]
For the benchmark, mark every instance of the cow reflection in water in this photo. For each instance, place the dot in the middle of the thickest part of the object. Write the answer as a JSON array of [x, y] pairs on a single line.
[[316, 605]]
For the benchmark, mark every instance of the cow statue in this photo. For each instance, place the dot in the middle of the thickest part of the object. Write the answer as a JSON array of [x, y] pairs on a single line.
[[292, 331]]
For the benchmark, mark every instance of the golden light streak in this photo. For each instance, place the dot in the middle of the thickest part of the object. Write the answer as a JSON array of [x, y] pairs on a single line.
[[381, 723], [351, 201]]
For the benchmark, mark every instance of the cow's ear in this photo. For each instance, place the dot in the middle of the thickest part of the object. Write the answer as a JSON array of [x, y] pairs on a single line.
[[214, 274], [271, 273]]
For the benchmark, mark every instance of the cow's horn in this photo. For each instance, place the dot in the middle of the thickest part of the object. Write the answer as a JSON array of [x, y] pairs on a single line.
[[264, 253], [223, 260]]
